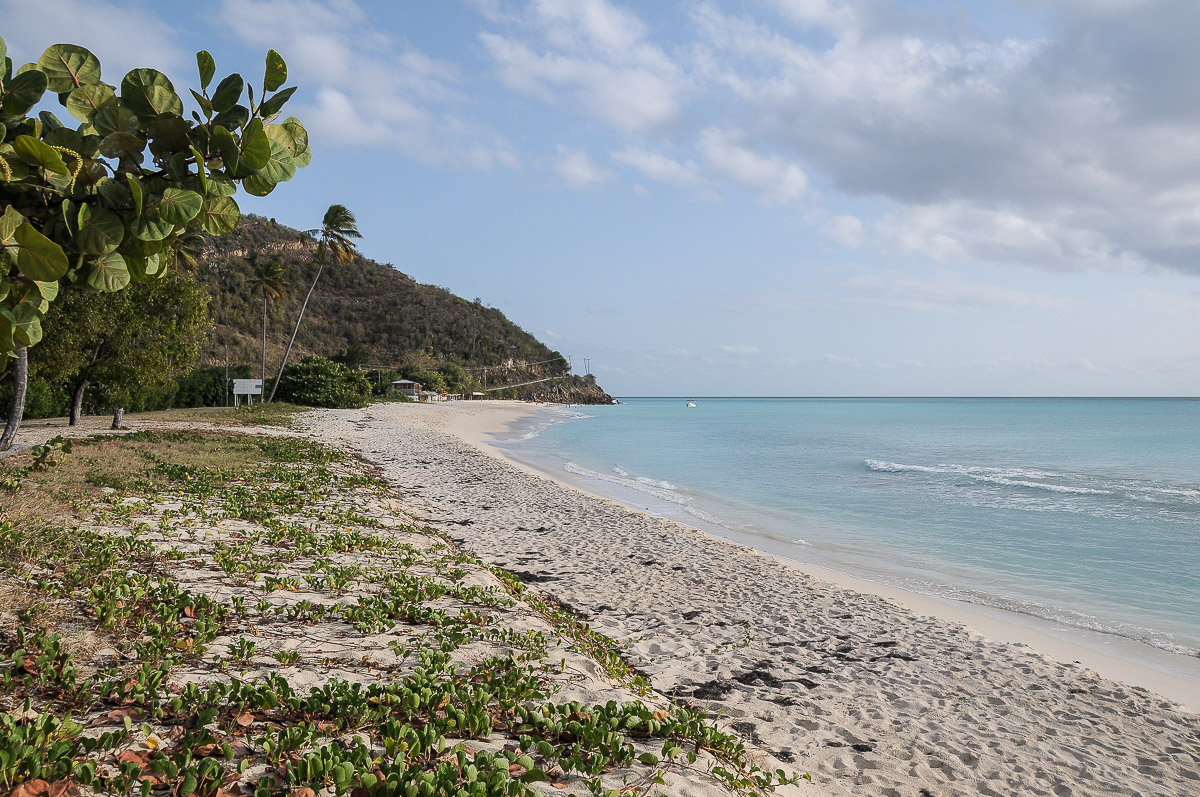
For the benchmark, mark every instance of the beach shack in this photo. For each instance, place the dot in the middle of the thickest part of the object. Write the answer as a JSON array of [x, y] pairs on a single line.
[[407, 387]]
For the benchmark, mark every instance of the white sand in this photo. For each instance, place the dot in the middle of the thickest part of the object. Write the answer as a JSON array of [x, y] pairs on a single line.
[[863, 693]]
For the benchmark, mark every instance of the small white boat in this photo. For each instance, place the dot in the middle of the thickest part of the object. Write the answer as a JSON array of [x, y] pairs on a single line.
[[691, 402]]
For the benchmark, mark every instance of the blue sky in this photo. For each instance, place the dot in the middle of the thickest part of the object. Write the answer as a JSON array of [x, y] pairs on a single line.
[[765, 197]]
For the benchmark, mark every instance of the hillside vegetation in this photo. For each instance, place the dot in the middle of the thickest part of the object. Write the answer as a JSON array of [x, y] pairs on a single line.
[[388, 319]]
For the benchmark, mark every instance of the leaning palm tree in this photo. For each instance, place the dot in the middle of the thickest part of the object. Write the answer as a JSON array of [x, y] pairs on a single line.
[[268, 277], [333, 237]]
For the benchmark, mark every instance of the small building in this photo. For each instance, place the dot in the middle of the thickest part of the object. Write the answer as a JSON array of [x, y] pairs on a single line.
[[407, 387]]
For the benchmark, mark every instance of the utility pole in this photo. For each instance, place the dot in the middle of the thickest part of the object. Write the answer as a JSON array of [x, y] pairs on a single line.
[[569, 366], [226, 374], [587, 365]]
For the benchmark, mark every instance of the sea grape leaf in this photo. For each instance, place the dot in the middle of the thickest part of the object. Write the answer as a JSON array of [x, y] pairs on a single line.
[[7, 325], [258, 185], [220, 215], [136, 193], [149, 93], [47, 290], [279, 167], [133, 246], [69, 66], [150, 226], [100, 230], [275, 104], [233, 119], [179, 206], [142, 268], [115, 195], [201, 171], [50, 122], [276, 71], [26, 325], [280, 133], [23, 92], [256, 147], [223, 140], [38, 257], [108, 273], [227, 93], [206, 66], [294, 126], [113, 117], [220, 186], [122, 145], [204, 103], [9, 223], [85, 102], [167, 134], [303, 158], [38, 153]]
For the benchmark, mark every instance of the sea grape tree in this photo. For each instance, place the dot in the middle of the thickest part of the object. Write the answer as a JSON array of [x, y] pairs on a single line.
[[120, 191]]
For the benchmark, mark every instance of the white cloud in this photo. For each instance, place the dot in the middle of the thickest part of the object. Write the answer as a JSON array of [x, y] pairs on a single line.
[[959, 232], [837, 15], [102, 27], [594, 54], [363, 86], [773, 179], [578, 171], [1072, 148], [842, 360], [946, 293], [659, 167], [846, 231], [740, 351]]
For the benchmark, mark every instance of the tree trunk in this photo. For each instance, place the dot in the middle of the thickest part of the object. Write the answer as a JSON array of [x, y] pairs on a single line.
[[295, 329], [118, 416], [17, 412], [77, 402], [264, 353]]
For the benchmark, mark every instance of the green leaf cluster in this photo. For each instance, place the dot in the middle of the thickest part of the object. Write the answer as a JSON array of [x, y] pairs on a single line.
[[125, 192], [317, 382]]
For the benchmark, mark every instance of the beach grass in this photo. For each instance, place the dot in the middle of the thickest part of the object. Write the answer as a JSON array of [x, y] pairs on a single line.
[[275, 413]]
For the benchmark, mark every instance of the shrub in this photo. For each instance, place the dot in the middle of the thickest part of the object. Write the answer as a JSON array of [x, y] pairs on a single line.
[[317, 382], [205, 386], [42, 399]]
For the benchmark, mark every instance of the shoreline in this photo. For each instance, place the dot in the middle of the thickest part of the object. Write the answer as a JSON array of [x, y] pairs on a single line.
[[1172, 675], [860, 691]]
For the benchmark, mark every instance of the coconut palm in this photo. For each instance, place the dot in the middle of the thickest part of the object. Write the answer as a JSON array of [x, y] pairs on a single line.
[[268, 277], [189, 249], [338, 226]]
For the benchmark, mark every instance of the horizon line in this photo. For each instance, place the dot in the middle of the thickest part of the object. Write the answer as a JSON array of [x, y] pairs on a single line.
[[1114, 398]]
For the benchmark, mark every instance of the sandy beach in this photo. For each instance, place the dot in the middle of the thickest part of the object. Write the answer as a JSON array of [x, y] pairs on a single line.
[[867, 694]]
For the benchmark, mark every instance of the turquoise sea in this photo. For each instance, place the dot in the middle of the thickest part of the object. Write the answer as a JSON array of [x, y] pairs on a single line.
[[1084, 512]]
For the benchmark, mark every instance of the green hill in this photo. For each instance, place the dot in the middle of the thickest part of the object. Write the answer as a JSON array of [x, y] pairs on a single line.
[[371, 309]]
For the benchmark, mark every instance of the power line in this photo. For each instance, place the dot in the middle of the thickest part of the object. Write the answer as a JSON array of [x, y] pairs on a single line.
[[522, 384]]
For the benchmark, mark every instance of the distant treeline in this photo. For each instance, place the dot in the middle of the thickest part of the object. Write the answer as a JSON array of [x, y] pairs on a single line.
[[178, 343], [212, 385]]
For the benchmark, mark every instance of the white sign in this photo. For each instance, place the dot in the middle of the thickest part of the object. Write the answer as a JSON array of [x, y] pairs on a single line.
[[247, 388]]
